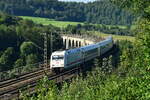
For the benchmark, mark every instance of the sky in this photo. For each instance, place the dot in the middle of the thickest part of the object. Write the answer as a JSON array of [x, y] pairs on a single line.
[[79, 0]]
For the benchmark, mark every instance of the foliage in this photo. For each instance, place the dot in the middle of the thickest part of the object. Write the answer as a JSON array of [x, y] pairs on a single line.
[[27, 48], [131, 79], [19, 62], [21, 43], [142, 43], [78, 28], [47, 21], [136, 6], [126, 82], [6, 60], [108, 29], [102, 12], [31, 61], [142, 30], [115, 37], [45, 90]]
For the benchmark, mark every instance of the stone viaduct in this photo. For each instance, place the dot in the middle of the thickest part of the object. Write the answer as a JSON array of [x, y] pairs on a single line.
[[77, 40]]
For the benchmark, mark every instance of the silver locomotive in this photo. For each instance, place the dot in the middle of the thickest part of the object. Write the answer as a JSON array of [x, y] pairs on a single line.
[[70, 58]]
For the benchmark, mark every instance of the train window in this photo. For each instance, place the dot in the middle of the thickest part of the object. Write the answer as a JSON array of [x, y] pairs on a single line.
[[103, 47], [91, 51], [57, 57]]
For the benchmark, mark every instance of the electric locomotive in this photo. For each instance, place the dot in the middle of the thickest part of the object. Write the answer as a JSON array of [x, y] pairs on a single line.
[[70, 58]]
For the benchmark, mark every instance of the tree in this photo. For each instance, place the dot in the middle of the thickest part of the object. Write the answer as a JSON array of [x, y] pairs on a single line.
[[7, 58], [27, 48], [140, 65], [39, 12], [102, 11], [31, 59], [141, 7], [19, 63], [31, 62]]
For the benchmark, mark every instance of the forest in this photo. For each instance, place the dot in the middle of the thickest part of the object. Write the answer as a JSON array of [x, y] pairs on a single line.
[[100, 12], [83, 28], [130, 80], [21, 43]]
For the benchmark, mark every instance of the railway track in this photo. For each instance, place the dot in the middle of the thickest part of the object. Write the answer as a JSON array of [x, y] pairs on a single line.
[[10, 85], [10, 88], [21, 78], [22, 74], [12, 91]]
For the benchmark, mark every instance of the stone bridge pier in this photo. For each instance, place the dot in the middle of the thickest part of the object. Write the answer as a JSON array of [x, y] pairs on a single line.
[[75, 41]]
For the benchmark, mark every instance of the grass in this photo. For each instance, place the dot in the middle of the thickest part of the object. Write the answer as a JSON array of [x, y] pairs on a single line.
[[116, 37], [46, 21], [63, 24]]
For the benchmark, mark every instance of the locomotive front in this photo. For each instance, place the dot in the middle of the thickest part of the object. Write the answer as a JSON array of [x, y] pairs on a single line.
[[57, 59]]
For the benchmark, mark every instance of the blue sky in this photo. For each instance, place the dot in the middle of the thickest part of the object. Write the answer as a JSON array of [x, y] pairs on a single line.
[[79, 0]]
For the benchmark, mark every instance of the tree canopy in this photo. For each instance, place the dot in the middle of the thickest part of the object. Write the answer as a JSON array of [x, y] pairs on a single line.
[[20, 38], [129, 81], [102, 12]]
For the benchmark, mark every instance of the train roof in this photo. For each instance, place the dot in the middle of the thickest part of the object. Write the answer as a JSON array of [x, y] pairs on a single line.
[[104, 41], [73, 50], [58, 52], [88, 47]]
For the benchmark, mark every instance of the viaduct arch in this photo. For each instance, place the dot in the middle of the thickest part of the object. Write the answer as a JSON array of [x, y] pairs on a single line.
[[76, 41]]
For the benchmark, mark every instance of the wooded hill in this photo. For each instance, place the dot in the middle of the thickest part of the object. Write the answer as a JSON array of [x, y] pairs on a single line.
[[21, 42], [101, 12]]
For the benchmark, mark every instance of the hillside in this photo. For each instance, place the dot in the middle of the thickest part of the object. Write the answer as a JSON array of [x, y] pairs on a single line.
[[46, 21], [77, 27], [115, 37], [101, 12], [122, 75], [129, 80], [21, 44], [62, 24]]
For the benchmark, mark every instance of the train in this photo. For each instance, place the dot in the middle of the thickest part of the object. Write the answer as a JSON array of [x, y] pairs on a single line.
[[69, 58]]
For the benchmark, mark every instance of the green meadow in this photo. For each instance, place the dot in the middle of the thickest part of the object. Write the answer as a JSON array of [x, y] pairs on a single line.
[[116, 37], [46, 21], [63, 24]]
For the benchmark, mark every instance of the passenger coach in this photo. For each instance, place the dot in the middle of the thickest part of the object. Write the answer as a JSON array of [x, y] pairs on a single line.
[[70, 58]]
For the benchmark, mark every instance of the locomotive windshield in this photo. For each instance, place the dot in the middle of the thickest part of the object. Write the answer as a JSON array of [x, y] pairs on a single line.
[[57, 57]]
